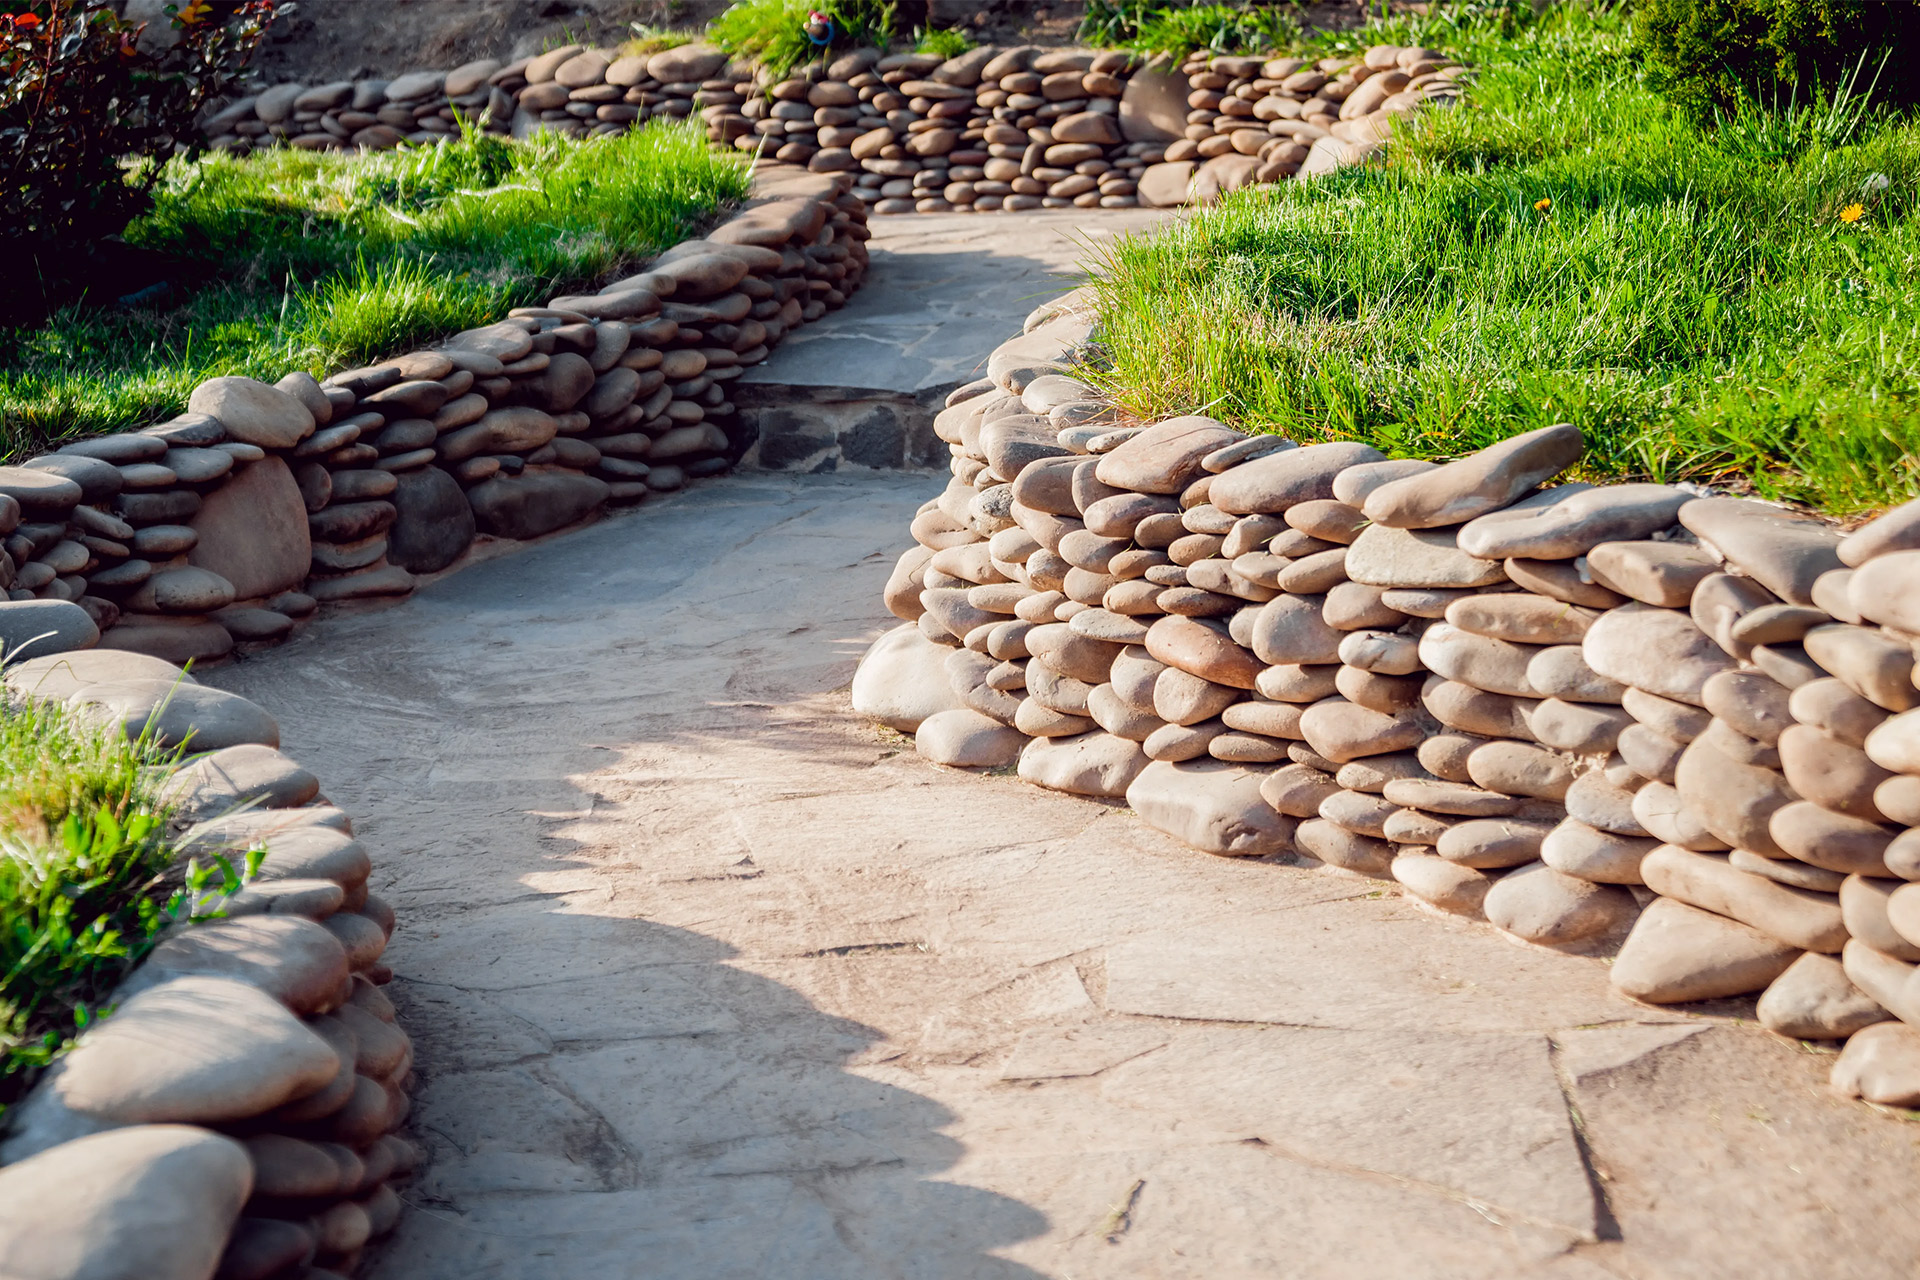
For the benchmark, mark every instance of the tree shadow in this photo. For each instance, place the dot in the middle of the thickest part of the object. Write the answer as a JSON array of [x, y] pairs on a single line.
[[632, 1105]]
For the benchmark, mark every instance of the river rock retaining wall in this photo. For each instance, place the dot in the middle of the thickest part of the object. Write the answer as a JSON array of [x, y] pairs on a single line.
[[231, 522], [237, 1113], [1016, 128], [1629, 720]]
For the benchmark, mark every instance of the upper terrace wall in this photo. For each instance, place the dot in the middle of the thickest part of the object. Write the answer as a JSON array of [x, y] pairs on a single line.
[[995, 128]]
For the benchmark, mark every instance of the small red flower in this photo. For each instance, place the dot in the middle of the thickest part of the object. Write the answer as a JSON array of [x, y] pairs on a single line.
[[25, 21]]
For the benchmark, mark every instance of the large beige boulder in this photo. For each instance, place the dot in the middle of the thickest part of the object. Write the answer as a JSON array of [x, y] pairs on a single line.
[[253, 531], [1153, 107], [902, 680], [1212, 806]]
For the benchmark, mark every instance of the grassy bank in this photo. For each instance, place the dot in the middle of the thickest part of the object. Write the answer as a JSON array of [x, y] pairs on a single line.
[[1739, 306], [83, 887], [303, 260]]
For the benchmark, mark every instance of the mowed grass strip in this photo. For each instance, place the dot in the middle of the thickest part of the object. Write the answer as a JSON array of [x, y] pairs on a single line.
[[317, 261], [1562, 248]]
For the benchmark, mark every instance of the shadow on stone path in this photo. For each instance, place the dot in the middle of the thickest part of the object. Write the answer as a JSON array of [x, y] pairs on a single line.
[[709, 979]]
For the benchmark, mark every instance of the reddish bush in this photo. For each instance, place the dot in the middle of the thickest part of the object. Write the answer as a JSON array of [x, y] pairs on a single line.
[[88, 117]]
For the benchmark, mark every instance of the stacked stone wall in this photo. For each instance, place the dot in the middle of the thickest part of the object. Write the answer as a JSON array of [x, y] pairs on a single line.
[[1633, 720], [237, 1113], [229, 524], [995, 128]]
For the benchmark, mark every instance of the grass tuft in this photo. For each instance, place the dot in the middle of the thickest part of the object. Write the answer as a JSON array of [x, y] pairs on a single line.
[[306, 260], [1564, 247], [773, 33], [1157, 27], [948, 42], [649, 39], [84, 886]]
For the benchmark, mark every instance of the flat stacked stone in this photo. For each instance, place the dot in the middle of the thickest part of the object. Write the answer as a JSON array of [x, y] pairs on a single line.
[[1481, 792], [1513, 657], [992, 129], [121, 539], [43, 563], [347, 470], [967, 604], [1072, 623], [1283, 550], [1594, 717], [269, 1023], [1250, 121], [1764, 812], [225, 527], [1845, 746], [572, 90]]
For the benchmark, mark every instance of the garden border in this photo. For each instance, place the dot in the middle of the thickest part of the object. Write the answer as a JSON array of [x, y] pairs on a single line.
[[240, 1107], [1024, 127], [228, 524], [1625, 720]]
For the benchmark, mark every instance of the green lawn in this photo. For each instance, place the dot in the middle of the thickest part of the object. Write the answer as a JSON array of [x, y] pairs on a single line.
[[320, 260], [1561, 248]]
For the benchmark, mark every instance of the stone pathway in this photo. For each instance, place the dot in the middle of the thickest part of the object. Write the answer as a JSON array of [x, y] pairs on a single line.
[[709, 979], [945, 290]]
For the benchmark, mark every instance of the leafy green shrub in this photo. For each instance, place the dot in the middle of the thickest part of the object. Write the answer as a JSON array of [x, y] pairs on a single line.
[[84, 887], [1177, 29], [1710, 55], [88, 117], [775, 33]]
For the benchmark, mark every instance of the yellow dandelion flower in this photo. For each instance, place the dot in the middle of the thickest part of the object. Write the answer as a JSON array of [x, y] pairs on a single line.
[[1853, 213], [1543, 204]]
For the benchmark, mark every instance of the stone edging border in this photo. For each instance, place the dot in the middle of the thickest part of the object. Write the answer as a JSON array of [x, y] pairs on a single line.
[[1625, 720], [994, 128], [239, 1109], [228, 524]]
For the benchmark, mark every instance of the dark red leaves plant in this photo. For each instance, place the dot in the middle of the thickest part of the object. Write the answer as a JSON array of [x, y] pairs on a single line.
[[89, 115]]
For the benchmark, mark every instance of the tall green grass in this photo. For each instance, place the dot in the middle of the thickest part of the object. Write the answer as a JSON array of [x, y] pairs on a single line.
[[84, 883], [1563, 247], [773, 33], [315, 261], [1182, 27], [948, 42]]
